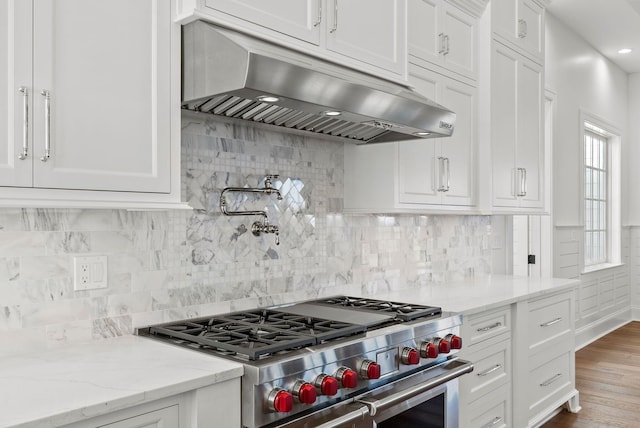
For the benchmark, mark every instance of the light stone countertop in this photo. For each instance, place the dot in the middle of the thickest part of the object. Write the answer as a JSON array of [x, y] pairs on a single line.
[[82, 381], [66, 385], [479, 294]]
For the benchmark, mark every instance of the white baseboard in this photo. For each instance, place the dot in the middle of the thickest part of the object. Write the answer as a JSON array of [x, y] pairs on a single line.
[[635, 313], [594, 331]]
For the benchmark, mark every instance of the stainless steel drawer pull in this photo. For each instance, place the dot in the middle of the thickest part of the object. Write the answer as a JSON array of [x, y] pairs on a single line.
[[25, 123], [550, 381], [319, 19], [47, 126], [494, 422], [441, 41], [491, 370], [552, 322], [335, 16], [489, 327]]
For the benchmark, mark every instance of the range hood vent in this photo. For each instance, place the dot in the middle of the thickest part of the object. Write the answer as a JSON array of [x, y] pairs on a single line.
[[233, 75]]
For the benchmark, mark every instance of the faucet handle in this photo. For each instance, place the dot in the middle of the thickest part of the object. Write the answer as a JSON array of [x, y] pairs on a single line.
[[268, 178]]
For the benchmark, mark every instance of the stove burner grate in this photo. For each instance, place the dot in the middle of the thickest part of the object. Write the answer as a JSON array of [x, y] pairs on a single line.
[[256, 334]]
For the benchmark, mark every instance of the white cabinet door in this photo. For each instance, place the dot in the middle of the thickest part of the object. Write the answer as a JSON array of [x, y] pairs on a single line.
[[440, 171], [517, 130], [164, 418], [106, 69], [372, 31], [297, 18], [424, 30], [15, 92], [443, 35], [521, 24], [458, 150], [504, 72], [530, 144], [419, 173]]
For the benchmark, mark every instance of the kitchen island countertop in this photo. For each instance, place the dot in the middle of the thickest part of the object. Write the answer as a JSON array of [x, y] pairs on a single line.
[[70, 384]]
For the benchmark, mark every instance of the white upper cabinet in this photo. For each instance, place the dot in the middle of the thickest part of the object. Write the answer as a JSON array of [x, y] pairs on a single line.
[[520, 24], [372, 31], [368, 35], [422, 175], [301, 19], [15, 92], [442, 35], [440, 171], [516, 130], [100, 104]]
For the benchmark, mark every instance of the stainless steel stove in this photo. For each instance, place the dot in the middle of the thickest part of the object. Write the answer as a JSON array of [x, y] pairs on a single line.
[[335, 362]]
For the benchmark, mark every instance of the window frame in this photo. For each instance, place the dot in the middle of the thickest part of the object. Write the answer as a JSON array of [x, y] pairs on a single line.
[[599, 126]]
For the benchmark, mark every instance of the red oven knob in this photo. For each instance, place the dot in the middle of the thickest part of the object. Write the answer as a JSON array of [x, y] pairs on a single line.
[[409, 356], [305, 392], [280, 400], [444, 347], [428, 350], [454, 341], [370, 369], [348, 377], [327, 385]]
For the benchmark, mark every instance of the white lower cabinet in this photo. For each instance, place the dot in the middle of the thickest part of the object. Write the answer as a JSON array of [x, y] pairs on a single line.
[[162, 418], [485, 393], [544, 358], [206, 407], [524, 362]]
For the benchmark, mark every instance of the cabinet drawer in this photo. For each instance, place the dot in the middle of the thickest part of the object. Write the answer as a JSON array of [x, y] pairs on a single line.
[[493, 411], [549, 318], [548, 381], [492, 368], [483, 326]]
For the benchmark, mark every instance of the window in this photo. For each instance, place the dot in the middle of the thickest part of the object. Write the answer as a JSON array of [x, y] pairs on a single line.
[[601, 193], [596, 224]]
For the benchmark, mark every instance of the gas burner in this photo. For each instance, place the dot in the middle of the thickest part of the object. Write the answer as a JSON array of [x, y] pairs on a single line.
[[255, 334], [402, 311]]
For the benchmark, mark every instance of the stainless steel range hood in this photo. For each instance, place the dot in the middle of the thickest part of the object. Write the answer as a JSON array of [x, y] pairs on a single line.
[[234, 75]]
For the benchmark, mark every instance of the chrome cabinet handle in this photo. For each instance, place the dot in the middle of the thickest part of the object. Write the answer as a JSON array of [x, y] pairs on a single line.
[[335, 16], [552, 322], [491, 370], [489, 327], [522, 178], [47, 125], [446, 44], [441, 43], [493, 423], [441, 179], [319, 18], [448, 181], [25, 123], [550, 381], [522, 28]]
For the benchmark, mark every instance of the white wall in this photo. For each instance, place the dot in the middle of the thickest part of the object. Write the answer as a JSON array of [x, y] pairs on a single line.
[[633, 217], [583, 79]]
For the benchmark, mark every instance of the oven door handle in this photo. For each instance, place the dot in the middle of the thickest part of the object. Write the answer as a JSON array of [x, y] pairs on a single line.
[[459, 368]]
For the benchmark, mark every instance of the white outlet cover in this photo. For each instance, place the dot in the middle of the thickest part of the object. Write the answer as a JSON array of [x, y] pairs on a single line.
[[89, 272]]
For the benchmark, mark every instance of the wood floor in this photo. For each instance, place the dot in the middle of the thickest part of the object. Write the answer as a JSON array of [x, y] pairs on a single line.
[[608, 379]]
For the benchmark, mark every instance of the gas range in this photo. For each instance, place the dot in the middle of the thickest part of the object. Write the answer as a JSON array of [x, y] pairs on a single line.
[[312, 356]]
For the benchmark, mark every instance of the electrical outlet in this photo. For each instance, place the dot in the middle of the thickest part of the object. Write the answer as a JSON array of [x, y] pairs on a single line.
[[89, 272]]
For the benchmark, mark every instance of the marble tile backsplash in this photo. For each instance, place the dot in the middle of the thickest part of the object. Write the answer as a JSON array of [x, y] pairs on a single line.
[[169, 265]]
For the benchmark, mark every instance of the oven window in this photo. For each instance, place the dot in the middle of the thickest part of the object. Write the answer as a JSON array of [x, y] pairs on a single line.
[[429, 414]]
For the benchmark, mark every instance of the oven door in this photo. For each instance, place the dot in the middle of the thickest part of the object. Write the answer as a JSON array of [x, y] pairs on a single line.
[[427, 399]]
